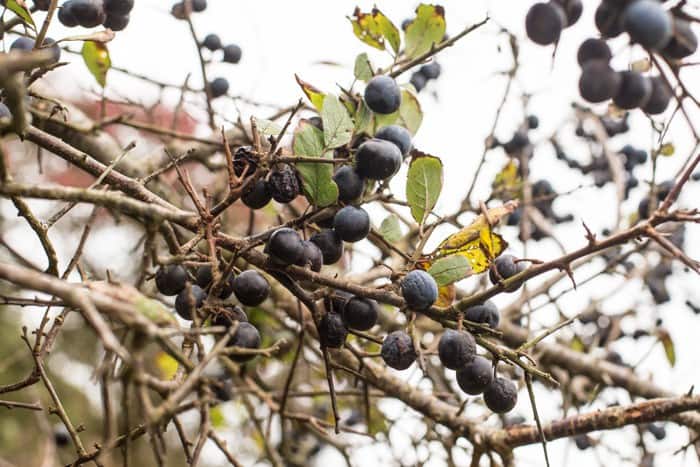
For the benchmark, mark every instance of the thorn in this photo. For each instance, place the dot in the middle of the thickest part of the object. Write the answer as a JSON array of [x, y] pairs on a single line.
[[590, 236]]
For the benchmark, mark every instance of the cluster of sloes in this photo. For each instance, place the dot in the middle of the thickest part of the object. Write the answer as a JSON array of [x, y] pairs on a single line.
[[281, 184], [429, 71], [112, 14], [647, 23], [628, 89], [178, 9], [249, 287], [545, 21], [231, 54]]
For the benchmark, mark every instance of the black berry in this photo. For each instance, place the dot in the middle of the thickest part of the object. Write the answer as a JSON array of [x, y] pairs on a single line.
[[431, 70], [247, 337], [398, 351], [88, 13], [257, 195], [383, 95], [65, 15], [648, 23], [350, 184], [485, 313], [116, 22], [684, 41], [212, 42], [228, 316], [118, 7], [377, 159], [332, 331], [398, 135], [419, 290], [199, 5], [501, 395], [598, 82], [635, 90], [171, 279], [418, 80], [188, 300], [608, 19], [360, 313], [661, 95], [456, 349], [283, 184], [232, 53], [251, 288], [351, 224], [219, 87], [544, 22], [285, 246], [593, 49], [244, 160], [474, 377], [330, 244], [312, 257]]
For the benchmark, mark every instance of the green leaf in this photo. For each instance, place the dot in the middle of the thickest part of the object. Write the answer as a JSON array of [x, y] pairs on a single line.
[[317, 178], [363, 119], [390, 229], [268, 127], [450, 269], [375, 29], [409, 115], [423, 185], [410, 112], [315, 95], [427, 29], [19, 8], [337, 124], [363, 69], [96, 57]]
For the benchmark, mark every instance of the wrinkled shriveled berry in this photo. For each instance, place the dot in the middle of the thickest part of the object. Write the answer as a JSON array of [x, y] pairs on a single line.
[[398, 351], [501, 395], [283, 184], [332, 331]]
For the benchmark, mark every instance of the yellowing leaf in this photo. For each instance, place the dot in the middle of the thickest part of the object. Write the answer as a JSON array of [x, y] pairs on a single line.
[[315, 95], [374, 29], [471, 232], [477, 242], [96, 57], [217, 417], [167, 365], [508, 184], [669, 347], [427, 29], [446, 295], [667, 149], [19, 8]]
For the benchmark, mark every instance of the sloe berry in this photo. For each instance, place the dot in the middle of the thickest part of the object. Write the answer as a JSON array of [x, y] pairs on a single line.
[[377, 159], [360, 313], [501, 395], [350, 184], [188, 300], [474, 377], [383, 95], [398, 135], [456, 349], [398, 351], [419, 290], [246, 336], [251, 288], [171, 279], [285, 246], [332, 331], [330, 244], [351, 223]]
